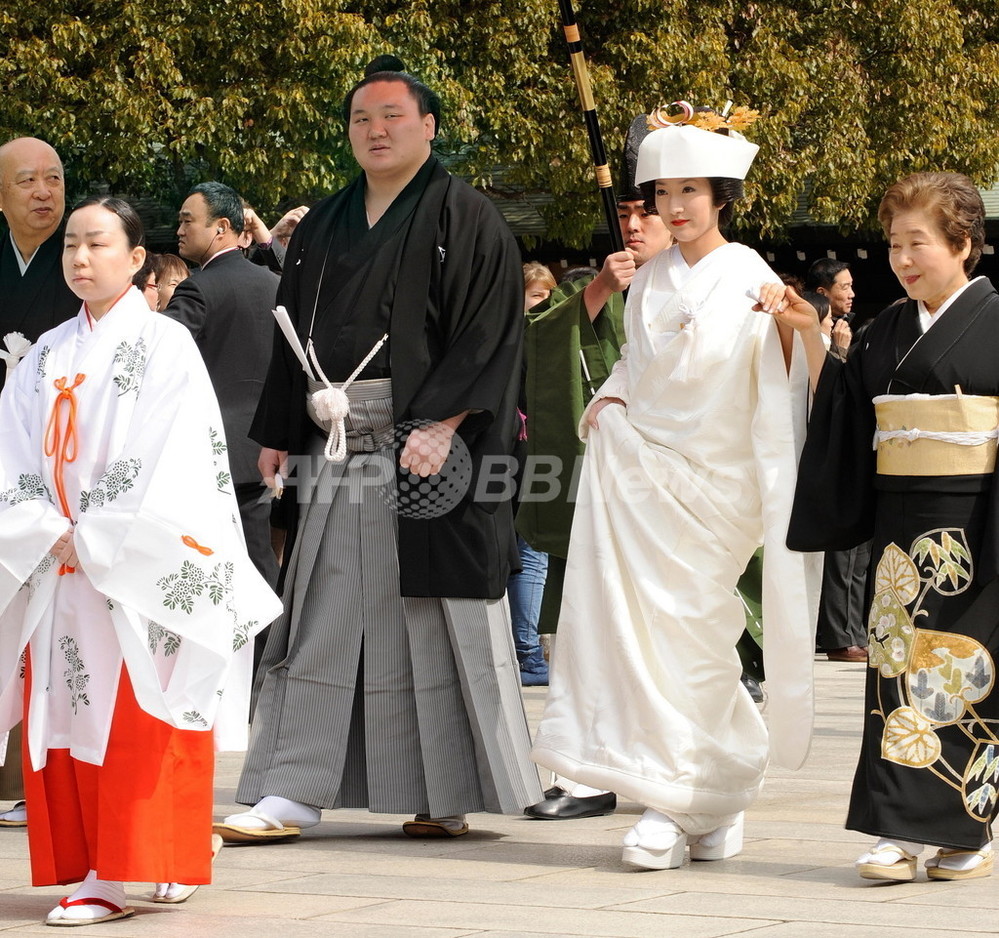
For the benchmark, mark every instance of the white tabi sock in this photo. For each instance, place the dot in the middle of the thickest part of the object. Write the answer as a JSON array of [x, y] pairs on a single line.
[[92, 888], [963, 861], [17, 815], [168, 890], [577, 789], [884, 845], [288, 812], [654, 830]]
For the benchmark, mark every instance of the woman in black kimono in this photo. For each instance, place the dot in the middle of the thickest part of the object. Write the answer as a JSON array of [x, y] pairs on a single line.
[[923, 384]]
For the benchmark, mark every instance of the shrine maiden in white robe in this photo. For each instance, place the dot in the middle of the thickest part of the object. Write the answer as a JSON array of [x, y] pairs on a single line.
[[677, 491], [164, 583]]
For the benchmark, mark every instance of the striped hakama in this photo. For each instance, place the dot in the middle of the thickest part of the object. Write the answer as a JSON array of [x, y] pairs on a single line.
[[369, 699]]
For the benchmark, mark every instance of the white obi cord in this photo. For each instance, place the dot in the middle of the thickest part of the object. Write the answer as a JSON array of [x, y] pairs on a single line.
[[962, 438], [332, 405], [911, 434]]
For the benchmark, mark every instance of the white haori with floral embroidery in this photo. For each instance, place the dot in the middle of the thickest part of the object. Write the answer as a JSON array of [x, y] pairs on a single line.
[[677, 491], [165, 585]]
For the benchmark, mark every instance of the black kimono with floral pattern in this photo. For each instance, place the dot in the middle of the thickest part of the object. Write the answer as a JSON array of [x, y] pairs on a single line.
[[929, 764]]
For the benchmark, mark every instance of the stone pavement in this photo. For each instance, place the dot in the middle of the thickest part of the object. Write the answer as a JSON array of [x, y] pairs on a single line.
[[357, 876]]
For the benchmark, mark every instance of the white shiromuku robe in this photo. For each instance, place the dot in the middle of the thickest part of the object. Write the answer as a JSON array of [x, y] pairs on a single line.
[[164, 584], [676, 493]]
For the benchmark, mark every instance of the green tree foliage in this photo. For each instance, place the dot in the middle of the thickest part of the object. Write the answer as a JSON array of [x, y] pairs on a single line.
[[854, 94], [152, 95]]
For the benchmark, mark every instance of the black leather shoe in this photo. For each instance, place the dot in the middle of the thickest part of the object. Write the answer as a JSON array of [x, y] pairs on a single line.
[[753, 686], [559, 806]]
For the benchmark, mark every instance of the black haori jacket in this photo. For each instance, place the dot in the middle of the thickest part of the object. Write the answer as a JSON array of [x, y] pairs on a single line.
[[455, 324]]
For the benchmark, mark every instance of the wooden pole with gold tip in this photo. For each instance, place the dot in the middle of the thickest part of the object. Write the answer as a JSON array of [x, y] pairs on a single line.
[[600, 167]]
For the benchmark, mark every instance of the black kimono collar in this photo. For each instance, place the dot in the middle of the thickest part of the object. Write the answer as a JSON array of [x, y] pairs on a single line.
[[919, 353], [352, 247]]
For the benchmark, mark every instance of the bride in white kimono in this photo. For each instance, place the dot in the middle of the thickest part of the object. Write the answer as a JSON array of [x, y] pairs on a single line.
[[690, 465], [127, 600]]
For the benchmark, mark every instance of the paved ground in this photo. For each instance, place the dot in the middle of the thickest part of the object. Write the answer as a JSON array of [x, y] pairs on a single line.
[[357, 876]]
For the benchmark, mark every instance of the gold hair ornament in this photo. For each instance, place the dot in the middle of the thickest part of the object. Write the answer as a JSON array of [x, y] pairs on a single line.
[[730, 118]]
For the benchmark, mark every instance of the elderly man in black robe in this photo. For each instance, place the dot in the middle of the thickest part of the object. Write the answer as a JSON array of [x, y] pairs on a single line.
[[34, 298], [391, 682], [33, 293]]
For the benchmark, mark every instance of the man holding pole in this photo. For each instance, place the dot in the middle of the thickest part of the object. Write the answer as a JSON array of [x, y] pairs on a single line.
[[572, 342]]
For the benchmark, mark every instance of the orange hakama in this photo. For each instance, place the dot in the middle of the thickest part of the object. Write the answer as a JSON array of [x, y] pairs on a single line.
[[144, 815]]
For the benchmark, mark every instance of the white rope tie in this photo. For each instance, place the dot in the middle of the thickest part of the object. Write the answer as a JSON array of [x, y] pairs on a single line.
[[332, 404], [684, 370], [17, 346], [962, 438]]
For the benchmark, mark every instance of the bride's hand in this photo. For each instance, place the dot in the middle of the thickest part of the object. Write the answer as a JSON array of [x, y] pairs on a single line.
[[591, 417], [787, 306]]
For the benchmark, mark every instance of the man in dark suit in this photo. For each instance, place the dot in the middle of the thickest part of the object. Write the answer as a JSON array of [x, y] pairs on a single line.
[[227, 306], [841, 631], [34, 297]]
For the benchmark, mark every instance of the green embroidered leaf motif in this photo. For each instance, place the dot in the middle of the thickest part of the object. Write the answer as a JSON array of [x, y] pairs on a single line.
[[953, 572], [980, 799], [241, 634], [28, 486], [980, 776], [130, 366], [154, 632], [954, 547], [171, 644], [992, 769], [955, 683], [986, 766], [926, 547], [951, 569], [181, 588], [157, 634], [215, 591], [75, 675]]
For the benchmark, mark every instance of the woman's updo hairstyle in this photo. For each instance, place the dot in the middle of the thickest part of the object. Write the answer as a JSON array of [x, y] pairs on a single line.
[[130, 220]]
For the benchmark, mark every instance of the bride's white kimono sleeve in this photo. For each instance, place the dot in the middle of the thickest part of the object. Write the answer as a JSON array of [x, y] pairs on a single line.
[[156, 524]]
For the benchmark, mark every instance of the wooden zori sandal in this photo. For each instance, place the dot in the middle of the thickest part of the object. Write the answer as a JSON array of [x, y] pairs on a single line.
[[900, 868], [114, 912], [983, 868]]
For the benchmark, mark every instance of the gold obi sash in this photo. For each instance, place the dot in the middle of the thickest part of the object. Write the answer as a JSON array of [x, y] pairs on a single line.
[[936, 434]]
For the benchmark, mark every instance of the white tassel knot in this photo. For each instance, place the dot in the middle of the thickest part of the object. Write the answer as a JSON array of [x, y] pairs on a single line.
[[333, 406]]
